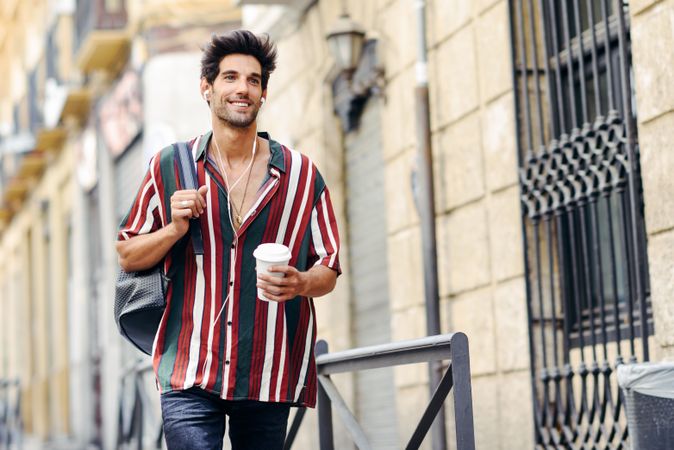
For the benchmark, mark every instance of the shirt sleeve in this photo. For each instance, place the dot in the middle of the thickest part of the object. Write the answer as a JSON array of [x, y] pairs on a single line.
[[146, 214], [324, 234]]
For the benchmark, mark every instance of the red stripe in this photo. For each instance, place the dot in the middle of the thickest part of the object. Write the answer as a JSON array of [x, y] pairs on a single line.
[[219, 269], [298, 346], [278, 346], [206, 314], [324, 226], [139, 206], [297, 201], [310, 392]]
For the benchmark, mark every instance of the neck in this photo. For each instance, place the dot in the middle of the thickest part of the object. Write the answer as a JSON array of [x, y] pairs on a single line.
[[234, 143]]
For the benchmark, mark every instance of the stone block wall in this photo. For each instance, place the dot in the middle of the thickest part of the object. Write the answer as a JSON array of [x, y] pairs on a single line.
[[481, 266], [653, 58], [475, 170]]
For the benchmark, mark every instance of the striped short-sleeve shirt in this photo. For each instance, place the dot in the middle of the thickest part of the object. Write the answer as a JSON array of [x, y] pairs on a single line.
[[215, 333]]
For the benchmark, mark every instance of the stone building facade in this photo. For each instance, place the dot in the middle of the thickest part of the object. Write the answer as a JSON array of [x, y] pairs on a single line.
[[483, 286]]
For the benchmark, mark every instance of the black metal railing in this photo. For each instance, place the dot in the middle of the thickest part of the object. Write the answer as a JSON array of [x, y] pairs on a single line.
[[451, 347], [588, 294], [139, 421], [11, 424], [136, 411]]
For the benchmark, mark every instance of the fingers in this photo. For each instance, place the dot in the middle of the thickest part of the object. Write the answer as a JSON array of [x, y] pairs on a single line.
[[286, 270], [189, 199], [271, 279], [276, 294], [272, 284], [184, 208], [280, 289], [277, 298]]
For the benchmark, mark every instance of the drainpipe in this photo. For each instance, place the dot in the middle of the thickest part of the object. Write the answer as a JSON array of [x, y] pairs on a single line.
[[426, 206]]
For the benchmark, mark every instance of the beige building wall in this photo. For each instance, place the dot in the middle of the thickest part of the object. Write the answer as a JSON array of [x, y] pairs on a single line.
[[478, 212], [653, 59], [33, 274], [36, 337]]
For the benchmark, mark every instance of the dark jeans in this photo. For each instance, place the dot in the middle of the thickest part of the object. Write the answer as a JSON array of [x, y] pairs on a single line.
[[195, 419]]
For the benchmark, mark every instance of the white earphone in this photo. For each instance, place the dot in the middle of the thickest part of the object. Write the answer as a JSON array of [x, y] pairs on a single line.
[[206, 94], [262, 100]]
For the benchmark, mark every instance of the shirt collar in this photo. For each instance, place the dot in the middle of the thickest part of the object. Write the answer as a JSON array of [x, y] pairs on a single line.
[[276, 158]]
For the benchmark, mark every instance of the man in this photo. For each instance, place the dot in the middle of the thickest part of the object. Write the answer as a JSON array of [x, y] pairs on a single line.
[[220, 350]]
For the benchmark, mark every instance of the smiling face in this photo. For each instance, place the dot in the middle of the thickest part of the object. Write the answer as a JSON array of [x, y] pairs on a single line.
[[235, 95]]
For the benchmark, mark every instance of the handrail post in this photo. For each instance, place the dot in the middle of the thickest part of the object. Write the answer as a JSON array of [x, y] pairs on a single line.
[[463, 398], [138, 413], [325, 436]]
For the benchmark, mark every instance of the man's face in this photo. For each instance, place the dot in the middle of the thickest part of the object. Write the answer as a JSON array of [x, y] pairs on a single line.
[[237, 90]]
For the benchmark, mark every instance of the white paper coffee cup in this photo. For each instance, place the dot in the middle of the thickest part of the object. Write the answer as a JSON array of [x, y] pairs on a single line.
[[267, 255]]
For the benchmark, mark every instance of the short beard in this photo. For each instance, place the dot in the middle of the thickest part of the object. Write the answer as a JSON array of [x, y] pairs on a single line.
[[237, 120]]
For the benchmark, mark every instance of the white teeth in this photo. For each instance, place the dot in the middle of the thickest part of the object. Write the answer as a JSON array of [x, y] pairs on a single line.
[[240, 104]]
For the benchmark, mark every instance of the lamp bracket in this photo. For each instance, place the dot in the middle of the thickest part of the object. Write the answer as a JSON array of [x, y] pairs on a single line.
[[351, 90]]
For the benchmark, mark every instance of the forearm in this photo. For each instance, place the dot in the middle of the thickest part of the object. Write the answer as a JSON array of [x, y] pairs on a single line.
[[145, 251], [318, 281]]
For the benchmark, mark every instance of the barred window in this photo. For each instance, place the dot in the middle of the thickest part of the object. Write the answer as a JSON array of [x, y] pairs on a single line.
[[587, 277]]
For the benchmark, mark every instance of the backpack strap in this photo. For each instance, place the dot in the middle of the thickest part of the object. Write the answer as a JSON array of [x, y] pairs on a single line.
[[188, 180]]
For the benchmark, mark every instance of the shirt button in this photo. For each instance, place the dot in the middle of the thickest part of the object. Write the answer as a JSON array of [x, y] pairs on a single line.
[[227, 362], [252, 213], [229, 323], [231, 283], [232, 246]]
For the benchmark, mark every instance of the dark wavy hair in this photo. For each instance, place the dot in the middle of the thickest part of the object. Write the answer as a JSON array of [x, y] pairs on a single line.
[[242, 42]]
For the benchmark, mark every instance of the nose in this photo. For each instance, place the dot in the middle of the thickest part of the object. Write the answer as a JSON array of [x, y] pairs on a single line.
[[242, 87]]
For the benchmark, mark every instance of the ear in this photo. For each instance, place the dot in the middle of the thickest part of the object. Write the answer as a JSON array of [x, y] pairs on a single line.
[[263, 98], [203, 87]]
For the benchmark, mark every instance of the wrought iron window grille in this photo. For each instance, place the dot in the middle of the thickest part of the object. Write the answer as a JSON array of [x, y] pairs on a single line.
[[587, 276]]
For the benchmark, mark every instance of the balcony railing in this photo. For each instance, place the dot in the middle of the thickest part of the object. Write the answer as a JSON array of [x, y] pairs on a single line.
[[101, 39], [93, 15], [11, 426]]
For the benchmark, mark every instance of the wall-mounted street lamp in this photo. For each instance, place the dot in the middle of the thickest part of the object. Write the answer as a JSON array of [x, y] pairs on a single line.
[[360, 73], [345, 40]]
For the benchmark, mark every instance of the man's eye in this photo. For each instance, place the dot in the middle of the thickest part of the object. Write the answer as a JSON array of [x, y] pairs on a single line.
[[254, 81], [230, 77]]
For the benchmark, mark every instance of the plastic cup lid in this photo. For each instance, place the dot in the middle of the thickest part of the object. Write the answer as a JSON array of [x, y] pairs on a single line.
[[272, 252]]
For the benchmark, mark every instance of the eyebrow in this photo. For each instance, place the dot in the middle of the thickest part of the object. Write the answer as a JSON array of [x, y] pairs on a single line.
[[234, 72]]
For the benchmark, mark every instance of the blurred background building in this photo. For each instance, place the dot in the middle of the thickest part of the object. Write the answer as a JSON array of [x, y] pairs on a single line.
[[552, 215]]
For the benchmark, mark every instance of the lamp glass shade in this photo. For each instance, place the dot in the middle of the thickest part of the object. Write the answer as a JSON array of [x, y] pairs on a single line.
[[346, 42]]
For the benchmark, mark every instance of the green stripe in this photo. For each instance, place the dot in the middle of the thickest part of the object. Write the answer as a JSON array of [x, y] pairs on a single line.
[[225, 233], [248, 302], [176, 273], [319, 185]]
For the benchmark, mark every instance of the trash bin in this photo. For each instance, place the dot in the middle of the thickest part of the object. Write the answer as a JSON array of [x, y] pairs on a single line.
[[649, 402]]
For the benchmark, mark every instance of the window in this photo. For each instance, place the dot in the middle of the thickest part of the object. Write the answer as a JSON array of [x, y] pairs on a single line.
[[587, 276]]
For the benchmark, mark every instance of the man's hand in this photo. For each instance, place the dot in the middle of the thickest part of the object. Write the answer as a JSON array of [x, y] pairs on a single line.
[[317, 281], [186, 204], [146, 250]]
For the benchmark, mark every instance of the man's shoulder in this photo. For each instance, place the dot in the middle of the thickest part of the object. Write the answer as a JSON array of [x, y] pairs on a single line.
[[291, 154]]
